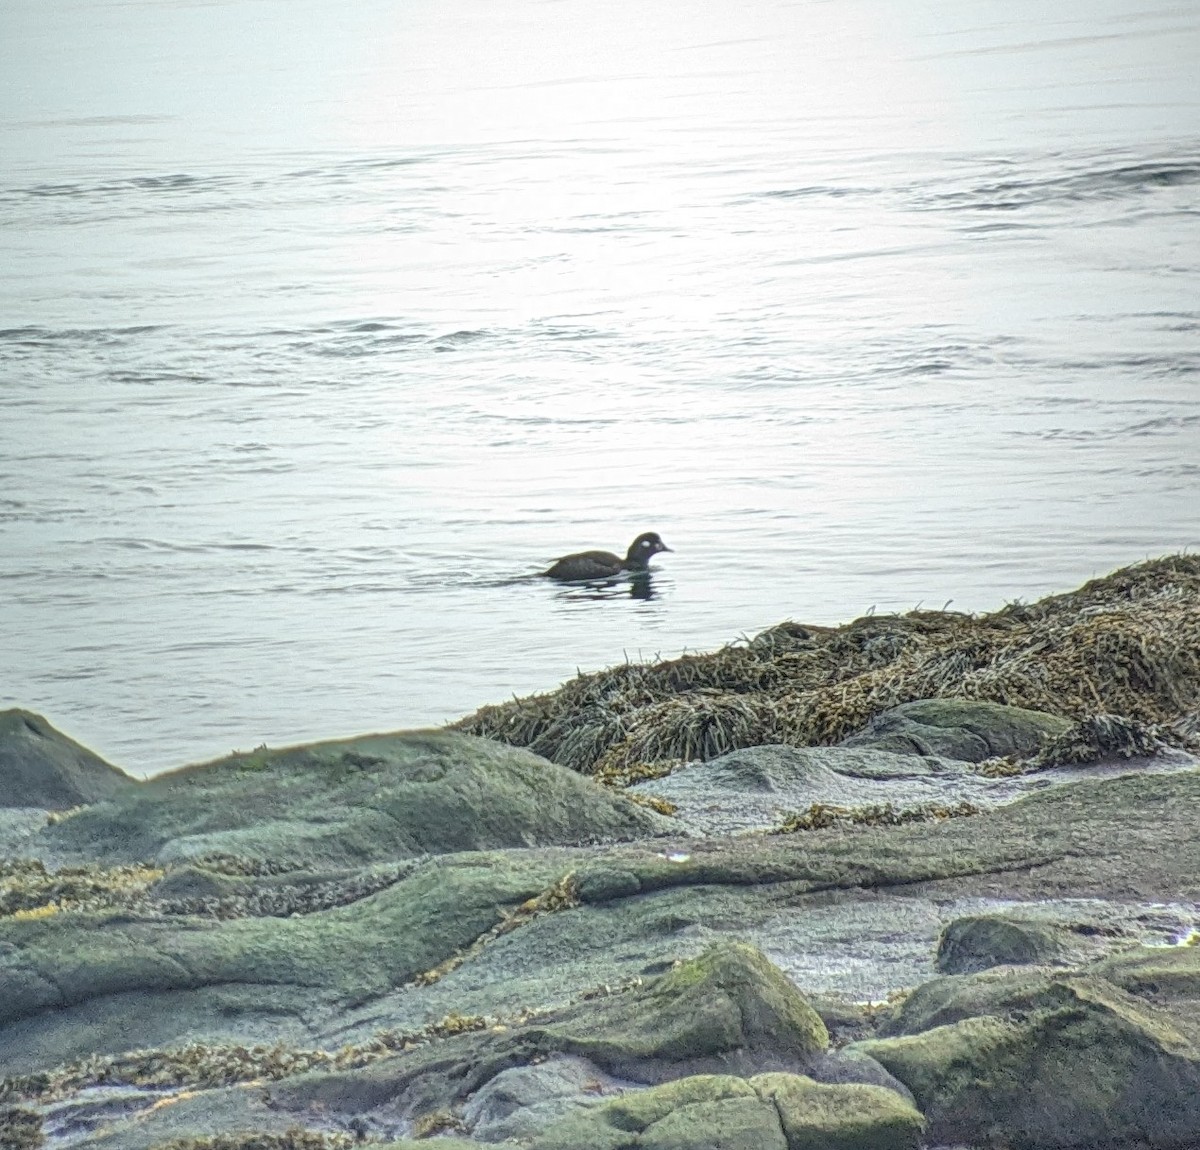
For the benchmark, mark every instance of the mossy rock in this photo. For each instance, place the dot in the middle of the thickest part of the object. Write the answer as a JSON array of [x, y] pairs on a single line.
[[729, 1008], [701, 1112], [773, 1111], [730, 1124], [1082, 1064], [959, 729], [954, 997], [41, 767], [980, 941], [729, 1011], [354, 802], [816, 1116], [1166, 971], [1168, 976], [439, 1143]]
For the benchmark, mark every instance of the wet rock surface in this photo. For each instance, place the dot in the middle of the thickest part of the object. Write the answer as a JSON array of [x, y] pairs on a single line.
[[969, 924]]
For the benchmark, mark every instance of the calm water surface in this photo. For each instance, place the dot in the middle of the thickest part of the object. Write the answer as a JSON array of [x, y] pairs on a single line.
[[320, 323]]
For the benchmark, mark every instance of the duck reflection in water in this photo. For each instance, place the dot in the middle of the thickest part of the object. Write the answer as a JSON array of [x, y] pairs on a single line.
[[639, 585]]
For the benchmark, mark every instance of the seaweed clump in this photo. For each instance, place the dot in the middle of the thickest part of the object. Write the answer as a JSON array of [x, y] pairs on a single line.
[[20, 1129], [1088, 741], [205, 1067], [293, 1139], [821, 816], [29, 890], [1124, 645]]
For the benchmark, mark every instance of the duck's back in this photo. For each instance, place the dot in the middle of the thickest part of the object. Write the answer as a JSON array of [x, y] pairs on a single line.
[[586, 565]]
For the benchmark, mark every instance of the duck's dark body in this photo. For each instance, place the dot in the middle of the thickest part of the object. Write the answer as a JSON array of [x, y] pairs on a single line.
[[588, 566]]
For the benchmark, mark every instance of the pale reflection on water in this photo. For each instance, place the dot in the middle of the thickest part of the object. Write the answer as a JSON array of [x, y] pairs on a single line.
[[325, 324]]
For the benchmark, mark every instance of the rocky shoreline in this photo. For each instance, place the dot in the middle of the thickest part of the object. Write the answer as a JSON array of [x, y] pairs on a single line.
[[929, 880]]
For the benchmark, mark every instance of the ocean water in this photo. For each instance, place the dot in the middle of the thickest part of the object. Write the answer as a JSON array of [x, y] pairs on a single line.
[[323, 323]]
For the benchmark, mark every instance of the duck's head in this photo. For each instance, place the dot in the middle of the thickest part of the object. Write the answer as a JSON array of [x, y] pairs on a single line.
[[644, 547]]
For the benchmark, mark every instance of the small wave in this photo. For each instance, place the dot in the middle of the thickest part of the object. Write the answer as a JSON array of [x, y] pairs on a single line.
[[132, 543], [349, 338], [94, 121], [152, 378], [166, 546], [48, 337], [1147, 428], [1107, 182], [171, 183], [807, 192], [567, 333], [1163, 425], [350, 347], [384, 162], [1158, 366]]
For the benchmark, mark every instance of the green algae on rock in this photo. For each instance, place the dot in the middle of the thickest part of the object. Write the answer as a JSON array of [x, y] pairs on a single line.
[[563, 894], [1167, 976], [352, 802], [686, 1114], [1157, 970], [1127, 644], [977, 942], [231, 973], [727, 1008], [775, 1111], [851, 1116], [256, 980], [1069, 1061]]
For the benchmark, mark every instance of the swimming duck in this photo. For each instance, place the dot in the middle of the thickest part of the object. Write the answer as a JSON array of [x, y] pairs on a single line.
[[586, 566]]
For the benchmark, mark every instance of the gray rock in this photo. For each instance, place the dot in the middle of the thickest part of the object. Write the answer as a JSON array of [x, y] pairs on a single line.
[[958, 729], [523, 1100], [41, 767], [850, 1066]]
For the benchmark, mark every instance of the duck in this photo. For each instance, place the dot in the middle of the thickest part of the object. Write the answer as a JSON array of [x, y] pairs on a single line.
[[587, 566]]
